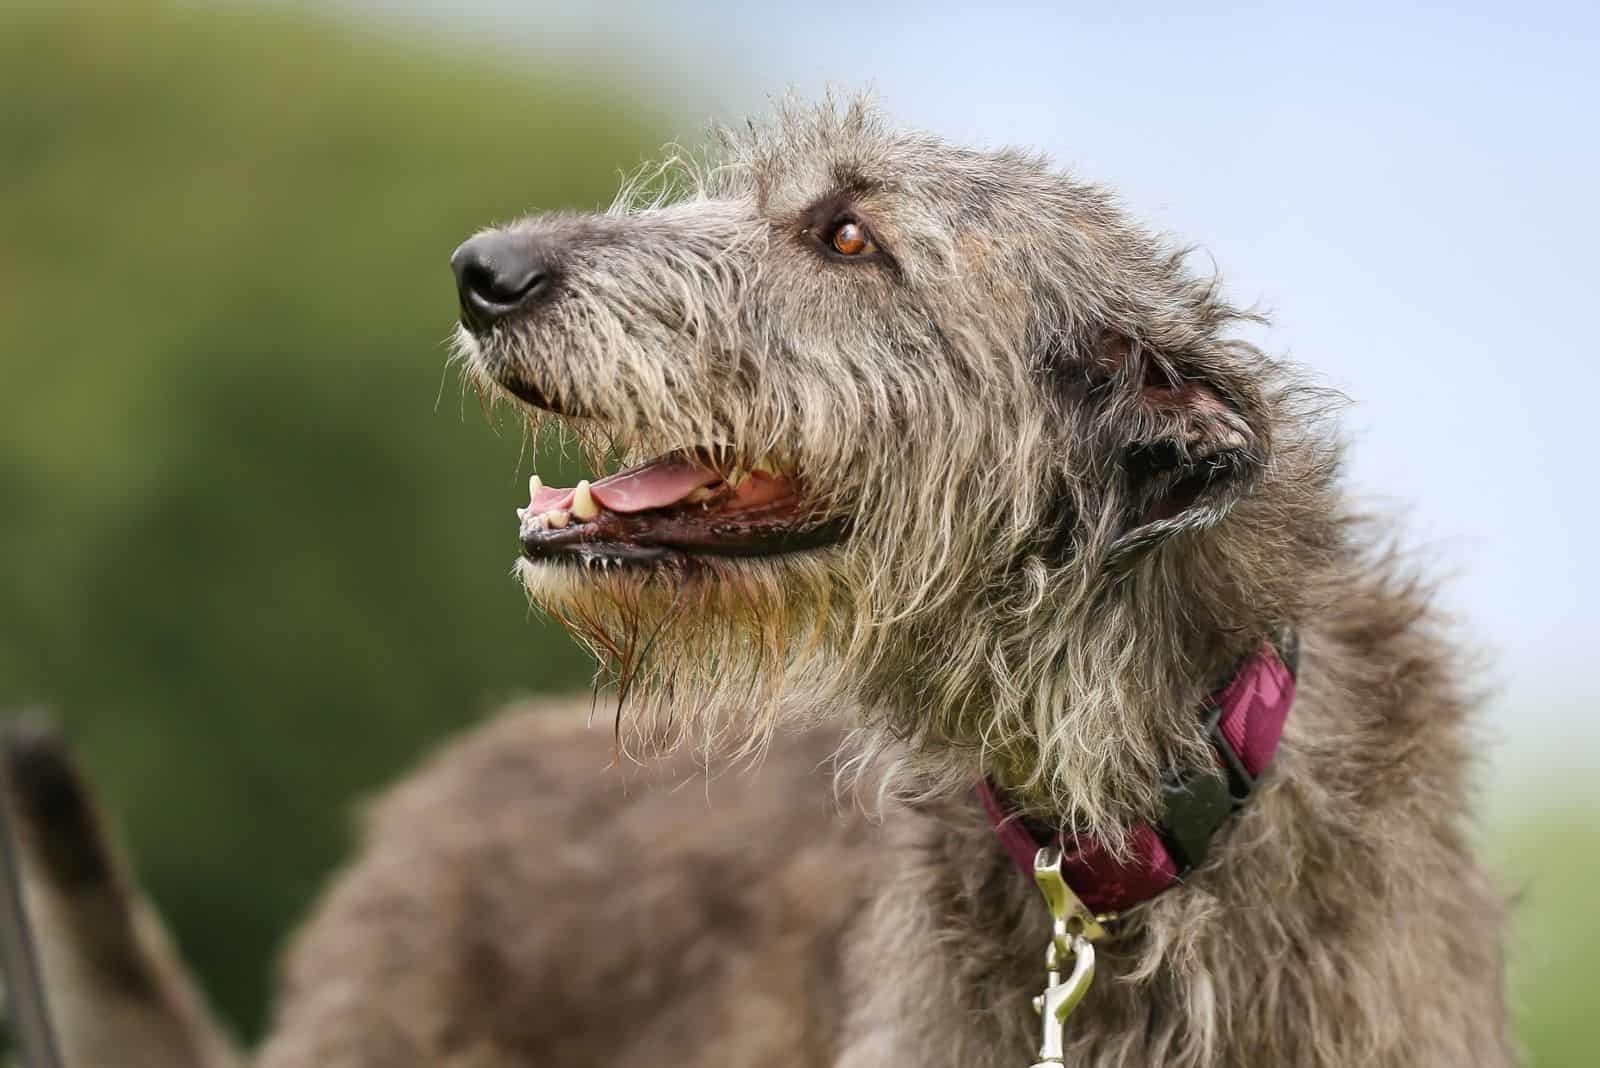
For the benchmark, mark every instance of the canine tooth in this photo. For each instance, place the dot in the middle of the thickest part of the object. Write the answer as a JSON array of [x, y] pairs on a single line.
[[557, 518], [535, 484], [766, 466], [737, 476], [704, 493], [583, 504]]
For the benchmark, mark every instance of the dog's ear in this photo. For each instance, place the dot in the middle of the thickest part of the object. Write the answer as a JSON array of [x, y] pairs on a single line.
[[1188, 446]]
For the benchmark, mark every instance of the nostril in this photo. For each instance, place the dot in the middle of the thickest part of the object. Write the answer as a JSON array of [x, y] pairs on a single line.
[[495, 287]]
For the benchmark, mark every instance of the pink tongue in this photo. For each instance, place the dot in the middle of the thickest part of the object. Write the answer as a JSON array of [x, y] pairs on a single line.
[[551, 497], [652, 485]]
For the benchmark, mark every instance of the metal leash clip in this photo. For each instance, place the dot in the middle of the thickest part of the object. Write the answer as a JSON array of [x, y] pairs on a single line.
[[1074, 928]]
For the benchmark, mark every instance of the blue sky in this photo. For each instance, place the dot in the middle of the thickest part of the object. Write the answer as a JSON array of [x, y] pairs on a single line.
[[1409, 190]]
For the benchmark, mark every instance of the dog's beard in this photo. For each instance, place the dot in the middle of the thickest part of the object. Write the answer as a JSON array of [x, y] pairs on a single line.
[[703, 654]]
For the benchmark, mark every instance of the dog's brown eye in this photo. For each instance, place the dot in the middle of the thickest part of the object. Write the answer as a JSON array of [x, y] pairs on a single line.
[[851, 239]]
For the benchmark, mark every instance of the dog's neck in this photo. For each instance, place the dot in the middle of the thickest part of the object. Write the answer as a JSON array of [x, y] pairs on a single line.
[[1243, 720], [1136, 656]]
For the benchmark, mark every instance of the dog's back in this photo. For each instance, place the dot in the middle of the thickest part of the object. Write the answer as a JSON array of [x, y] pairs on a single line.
[[525, 898]]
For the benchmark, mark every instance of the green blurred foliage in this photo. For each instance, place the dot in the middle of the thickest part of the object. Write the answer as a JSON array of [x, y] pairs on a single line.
[[1547, 857], [257, 541]]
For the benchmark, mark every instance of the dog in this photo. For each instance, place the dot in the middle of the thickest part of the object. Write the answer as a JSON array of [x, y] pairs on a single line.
[[953, 500]]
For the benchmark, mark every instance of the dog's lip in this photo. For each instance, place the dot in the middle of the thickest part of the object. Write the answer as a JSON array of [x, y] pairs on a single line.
[[774, 528], [647, 537]]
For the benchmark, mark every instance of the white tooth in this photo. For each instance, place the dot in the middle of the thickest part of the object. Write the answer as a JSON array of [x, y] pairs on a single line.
[[704, 493], [766, 466], [522, 513], [557, 518], [737, 476], [583, 504], [534, 486]]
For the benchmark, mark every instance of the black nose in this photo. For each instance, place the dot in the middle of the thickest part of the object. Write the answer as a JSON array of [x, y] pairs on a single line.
[[498, 273]]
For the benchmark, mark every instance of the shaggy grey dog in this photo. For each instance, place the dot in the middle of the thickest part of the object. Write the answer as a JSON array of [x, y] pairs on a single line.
[[938, 471]]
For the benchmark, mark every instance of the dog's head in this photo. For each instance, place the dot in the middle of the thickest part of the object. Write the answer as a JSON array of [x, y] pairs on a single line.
[[893, 418]]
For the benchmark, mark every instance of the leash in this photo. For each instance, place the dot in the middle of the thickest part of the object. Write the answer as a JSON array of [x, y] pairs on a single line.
[[28, 1014]]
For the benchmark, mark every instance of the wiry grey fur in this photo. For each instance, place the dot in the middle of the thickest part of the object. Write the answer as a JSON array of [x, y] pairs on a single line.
[[1075, 499]]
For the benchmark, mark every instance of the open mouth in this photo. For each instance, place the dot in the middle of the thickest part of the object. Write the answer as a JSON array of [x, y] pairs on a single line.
[[683, 504]]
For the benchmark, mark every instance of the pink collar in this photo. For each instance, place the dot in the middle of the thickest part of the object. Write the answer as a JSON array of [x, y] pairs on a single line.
[[1244, 720]]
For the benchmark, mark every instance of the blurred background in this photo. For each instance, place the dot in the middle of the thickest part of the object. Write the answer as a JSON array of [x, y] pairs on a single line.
[[258, 542]]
